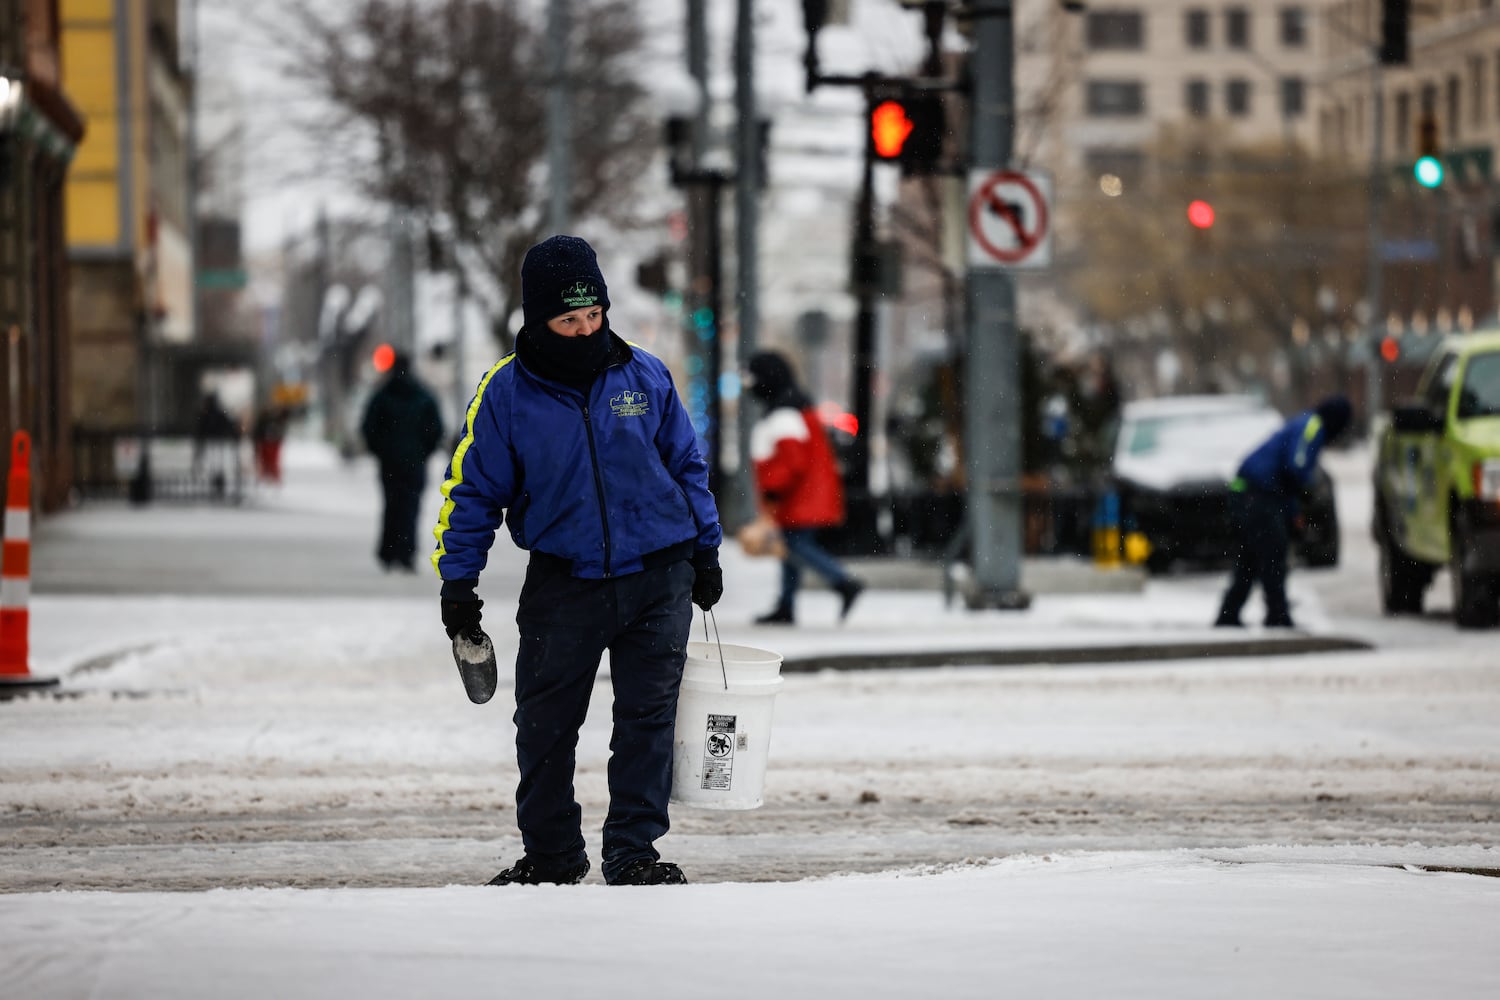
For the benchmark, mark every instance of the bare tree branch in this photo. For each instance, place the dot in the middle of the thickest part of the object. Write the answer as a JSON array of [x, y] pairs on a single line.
[[443, 104]]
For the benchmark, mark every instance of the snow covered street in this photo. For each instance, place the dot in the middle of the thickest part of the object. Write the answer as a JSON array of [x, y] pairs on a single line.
[[1212, 826]]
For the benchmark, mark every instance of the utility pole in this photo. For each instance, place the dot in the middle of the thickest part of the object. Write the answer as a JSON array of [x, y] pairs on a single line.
[[992, 384], [559, 118], [747, 183]]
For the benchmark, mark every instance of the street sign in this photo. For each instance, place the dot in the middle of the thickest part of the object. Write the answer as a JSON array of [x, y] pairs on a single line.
[[1010, 219]]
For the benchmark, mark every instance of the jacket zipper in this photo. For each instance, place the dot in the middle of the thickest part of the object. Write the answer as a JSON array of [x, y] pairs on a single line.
[[588, 427]]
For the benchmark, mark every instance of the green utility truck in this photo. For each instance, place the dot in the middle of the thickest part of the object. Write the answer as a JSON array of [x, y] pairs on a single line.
[[1437, 484]]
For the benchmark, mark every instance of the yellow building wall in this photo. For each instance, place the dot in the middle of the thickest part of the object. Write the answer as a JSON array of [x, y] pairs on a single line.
[[137, 18], [91, 79]]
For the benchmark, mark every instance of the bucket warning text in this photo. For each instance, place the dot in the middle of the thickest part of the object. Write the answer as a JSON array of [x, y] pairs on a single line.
[[718, 752]]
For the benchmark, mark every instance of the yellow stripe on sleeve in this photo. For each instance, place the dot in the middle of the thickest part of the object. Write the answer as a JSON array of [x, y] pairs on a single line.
[[456, 467]]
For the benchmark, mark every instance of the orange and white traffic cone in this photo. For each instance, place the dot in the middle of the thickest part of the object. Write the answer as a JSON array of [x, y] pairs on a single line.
[[15, 575]]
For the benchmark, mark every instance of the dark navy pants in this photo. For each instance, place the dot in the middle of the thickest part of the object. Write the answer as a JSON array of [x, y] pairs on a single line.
[[398, 526], [566, 624], [1261, 539]]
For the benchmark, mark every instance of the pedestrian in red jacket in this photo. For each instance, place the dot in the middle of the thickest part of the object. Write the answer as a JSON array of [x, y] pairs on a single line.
[[798, 483]]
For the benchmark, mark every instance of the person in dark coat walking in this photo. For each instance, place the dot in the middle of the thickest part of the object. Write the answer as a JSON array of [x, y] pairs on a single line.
[[401, 427], [1264, 500], [581, 444], [798, 484]]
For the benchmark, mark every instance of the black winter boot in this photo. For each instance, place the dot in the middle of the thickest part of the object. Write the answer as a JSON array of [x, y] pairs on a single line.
[[648, 872], [779, 615], [849, 591], [528, 871]]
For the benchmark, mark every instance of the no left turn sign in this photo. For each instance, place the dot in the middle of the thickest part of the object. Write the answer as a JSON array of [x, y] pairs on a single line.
[[1010, 219]]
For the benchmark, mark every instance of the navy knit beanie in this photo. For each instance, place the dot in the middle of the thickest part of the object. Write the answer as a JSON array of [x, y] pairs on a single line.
[[559, 275], [1335, 412]]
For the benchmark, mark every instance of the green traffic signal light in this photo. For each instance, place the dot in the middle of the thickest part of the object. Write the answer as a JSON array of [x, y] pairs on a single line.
[[1428, 171]]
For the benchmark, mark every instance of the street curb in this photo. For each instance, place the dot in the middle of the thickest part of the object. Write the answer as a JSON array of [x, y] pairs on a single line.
[[1075, 655]]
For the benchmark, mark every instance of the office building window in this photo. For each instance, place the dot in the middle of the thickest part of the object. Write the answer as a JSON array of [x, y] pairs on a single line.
[[1497, 84], [1116, 29], [1293, 98], [1403, 123], [1237, 28], [1115, 98], [1293, 27], [1455, 90], [1237, 97], [1196, 97], [1476, 91], [1196, 24]]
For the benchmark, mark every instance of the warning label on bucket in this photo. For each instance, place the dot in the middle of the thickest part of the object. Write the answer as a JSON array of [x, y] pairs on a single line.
[[718, 752]]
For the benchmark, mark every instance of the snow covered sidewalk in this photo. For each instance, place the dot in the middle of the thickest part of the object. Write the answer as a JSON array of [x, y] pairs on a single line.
[[1147, 925]]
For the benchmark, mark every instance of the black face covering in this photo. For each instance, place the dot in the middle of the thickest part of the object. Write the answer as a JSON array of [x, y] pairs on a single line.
[[571, 360]]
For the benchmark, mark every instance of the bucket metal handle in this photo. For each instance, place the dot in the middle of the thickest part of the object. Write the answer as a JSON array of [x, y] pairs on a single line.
[[723, 670]]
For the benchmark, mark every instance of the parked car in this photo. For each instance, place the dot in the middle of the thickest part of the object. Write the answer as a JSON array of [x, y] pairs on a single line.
[[1437, 484], [1173, 461]]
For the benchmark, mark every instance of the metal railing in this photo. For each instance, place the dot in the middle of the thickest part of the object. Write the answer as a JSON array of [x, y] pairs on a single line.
[[171, 466]]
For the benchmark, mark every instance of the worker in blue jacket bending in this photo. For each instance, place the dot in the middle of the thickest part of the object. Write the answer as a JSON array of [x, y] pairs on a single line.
[[1263, 501], [579, 441]]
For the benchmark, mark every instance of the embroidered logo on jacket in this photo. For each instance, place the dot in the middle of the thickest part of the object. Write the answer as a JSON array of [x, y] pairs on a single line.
[[629, 404]]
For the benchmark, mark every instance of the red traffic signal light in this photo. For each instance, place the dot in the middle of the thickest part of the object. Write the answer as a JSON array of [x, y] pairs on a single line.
[[909, 129], [1201, 214], [889, 128], [1390, 350], [383, 358]]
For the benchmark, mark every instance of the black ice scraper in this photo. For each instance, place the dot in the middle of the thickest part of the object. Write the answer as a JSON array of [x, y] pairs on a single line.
[[475, 656]]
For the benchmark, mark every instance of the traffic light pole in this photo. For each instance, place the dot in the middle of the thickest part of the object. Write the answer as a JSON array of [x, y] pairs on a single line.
[[1375, 267], [864, 333], [992, 451], [865, 272]]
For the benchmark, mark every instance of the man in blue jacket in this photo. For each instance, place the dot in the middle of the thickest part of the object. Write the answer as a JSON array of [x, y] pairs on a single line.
[[579, 442], [1264, 499]]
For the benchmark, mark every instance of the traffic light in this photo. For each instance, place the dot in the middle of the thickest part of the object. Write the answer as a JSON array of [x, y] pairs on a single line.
[[1200, 214], [651, 275], [383, 358], [1395, 23], [890, 127], [1390, 349], [908, 130], [1428, 170]]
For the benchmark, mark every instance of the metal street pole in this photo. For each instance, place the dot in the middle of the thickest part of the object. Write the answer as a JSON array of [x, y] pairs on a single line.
[[1375, 273], [747, 183], [992, 384], [714, 187], [559, 118], [863, 374]]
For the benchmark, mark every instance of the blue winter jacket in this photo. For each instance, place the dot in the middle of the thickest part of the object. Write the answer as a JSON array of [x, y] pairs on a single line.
[[1285, 462], [601, 478]]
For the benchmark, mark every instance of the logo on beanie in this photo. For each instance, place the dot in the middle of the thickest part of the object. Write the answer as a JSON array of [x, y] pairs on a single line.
[[580, 294], [629, 404]]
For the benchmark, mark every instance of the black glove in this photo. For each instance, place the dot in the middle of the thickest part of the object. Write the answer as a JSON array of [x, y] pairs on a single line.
[[461, 615], [473, 652], [708, 578]]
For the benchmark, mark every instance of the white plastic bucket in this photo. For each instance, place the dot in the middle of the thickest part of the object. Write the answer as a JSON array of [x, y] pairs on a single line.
[[724, 726]]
